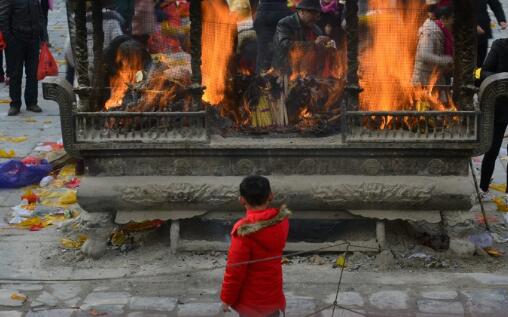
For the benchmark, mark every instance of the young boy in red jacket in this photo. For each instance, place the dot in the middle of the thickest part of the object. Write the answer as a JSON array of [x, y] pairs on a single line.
[[255, 290]]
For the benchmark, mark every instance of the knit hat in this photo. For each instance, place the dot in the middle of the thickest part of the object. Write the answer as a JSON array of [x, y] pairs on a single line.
[[311, 5]]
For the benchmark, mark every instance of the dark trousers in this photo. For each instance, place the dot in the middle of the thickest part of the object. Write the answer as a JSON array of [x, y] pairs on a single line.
[[45, 10], [483, 46], [267, 17], [23, 53], [489, 159]]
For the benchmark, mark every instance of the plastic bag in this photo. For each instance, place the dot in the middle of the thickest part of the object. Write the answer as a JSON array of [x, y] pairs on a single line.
[[47, 63], [3, 42], [14, 174]]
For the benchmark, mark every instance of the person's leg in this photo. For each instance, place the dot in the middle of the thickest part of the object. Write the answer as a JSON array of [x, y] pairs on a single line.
[[489, 159], [483, 46], [69, 73], [31, 86], [2, 73], [45, 10], [15, 70]]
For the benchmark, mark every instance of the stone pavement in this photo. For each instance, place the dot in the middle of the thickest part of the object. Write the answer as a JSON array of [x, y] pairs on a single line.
[[367, 294]]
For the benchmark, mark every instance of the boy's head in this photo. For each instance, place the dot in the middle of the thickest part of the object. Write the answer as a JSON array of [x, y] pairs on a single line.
[[255, 191]]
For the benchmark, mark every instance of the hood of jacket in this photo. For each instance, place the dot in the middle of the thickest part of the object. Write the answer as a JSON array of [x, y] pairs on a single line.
[[430, 27], [258, 220]]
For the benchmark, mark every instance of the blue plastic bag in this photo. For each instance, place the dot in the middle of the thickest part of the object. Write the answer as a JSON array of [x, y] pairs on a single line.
[[15, 174]]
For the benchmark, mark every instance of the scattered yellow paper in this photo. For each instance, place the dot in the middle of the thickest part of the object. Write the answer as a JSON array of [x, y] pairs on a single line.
[[341, 261], [73, 244], [498, 187], [68, 198], [7, 154], [501, 205], [68, 170], [18, 297], [13, 139], [5, 101]]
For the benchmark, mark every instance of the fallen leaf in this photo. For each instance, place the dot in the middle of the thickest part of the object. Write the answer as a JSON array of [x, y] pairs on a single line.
[[493, 252], [18, 297]]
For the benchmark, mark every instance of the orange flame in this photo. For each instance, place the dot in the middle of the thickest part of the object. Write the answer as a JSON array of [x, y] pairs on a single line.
[[387, 64], [219, 31], [129, 66]]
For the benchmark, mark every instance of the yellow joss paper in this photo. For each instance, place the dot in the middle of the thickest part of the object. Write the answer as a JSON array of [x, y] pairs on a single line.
[[73, 244], [498, 187], [68, 170], [501, 205], [68, 198], [7, 154]]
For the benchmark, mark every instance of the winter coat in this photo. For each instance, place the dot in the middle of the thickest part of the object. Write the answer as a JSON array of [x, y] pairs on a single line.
[[22, 19], [143, 22], [429, 53], [497, 62], [482, 15], [111, 24], [255, 290], [290, 32]]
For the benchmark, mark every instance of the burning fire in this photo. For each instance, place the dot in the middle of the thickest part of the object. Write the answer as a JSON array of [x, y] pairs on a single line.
[[130, 65], [386, 65], [217, 40]]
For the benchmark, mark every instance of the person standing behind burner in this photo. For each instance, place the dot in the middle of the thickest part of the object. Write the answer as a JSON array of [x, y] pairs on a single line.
[[22, 24], [435, 47], [496, 62], [298, 30], [331, 19], [268, 14], [483, 30]]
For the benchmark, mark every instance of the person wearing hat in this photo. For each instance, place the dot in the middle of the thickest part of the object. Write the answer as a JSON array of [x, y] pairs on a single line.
[[298, 30]]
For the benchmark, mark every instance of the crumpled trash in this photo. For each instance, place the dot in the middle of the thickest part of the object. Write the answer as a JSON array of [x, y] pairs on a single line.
[[498, 187], [16, 220], [15, 173], [46, 181], [12, 139], [73, 183], [68, 243], [21, 211], [501, 204], [493, 252], [420, 256], [48, 146], [18, 297], [7, 153], [142, 226], [30, 197], [67, 171], [69, 197], [482, 240], [498, 238], [44, 210]]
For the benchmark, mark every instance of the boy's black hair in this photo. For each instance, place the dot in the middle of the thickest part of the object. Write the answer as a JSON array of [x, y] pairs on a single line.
[[255, 190]]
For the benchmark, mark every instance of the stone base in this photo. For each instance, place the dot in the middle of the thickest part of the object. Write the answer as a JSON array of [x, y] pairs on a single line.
[[188, 196]]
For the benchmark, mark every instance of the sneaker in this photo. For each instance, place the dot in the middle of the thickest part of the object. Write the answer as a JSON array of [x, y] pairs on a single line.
[[486, 196], [7, 81], [13, 111], [34, 108]]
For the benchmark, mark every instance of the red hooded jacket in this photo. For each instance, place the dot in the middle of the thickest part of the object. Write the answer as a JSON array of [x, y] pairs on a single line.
[[255, 290]]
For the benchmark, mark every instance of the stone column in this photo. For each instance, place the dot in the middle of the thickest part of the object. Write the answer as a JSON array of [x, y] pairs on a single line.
[[464, 33], [352, 86], [195, 41], [98, 47], [80, 52]]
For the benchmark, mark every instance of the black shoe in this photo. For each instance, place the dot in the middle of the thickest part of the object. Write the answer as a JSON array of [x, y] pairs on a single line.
[[34, 108], [13, 111]]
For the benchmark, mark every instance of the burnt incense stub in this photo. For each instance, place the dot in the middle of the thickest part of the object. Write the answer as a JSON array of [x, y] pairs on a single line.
[[181, 116]]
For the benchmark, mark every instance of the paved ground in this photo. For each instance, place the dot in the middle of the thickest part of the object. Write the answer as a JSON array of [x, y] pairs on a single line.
[[155, 283]]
